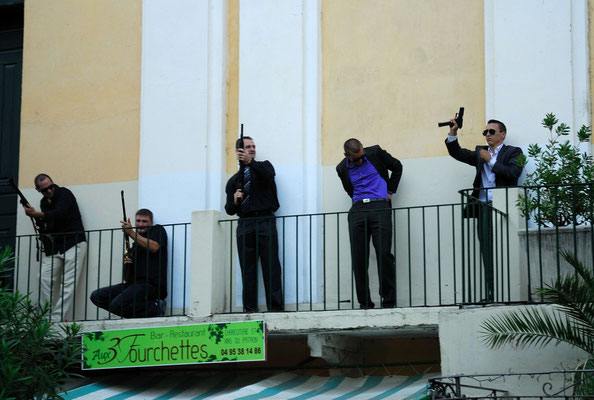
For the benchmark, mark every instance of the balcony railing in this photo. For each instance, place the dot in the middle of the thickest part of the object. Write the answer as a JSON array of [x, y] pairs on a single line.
[[486, 266], [438, 260], [442, 258], [446, 254], [572, 384], [102, 266], [561, 220], [315, 255]]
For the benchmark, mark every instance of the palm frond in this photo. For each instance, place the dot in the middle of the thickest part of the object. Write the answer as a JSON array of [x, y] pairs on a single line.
[[535, 327], [570, 318], [579, 267], [573, 294]]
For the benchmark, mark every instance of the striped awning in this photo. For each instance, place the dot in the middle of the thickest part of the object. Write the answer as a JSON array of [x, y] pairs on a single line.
[[282, 386]]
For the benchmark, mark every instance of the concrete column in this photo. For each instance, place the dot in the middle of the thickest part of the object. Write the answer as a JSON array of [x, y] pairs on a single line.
[[207, 272]]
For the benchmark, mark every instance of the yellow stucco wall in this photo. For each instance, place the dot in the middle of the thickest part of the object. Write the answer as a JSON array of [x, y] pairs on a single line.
[[232, 84], [80, 118], [393, 68]]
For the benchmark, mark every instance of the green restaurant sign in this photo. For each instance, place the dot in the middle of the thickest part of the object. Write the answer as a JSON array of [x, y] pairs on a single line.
[[175, 345]]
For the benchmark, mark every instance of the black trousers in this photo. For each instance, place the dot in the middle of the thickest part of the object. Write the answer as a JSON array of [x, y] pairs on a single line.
[[258, 240], [135, 300], [484, 229], [372, 221]]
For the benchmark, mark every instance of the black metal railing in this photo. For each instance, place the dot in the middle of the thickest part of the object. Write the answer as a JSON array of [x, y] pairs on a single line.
[[445, 254], [101, 265], [486, 265], [563, 384], [472, 252], [315, 256], [560, 219]]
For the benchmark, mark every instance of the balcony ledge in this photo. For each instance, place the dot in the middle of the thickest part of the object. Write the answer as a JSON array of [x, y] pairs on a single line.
[[382, 322]]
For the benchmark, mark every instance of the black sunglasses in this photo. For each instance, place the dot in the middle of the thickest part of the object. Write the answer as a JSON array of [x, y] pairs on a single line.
[[46, 189], [489, 131]]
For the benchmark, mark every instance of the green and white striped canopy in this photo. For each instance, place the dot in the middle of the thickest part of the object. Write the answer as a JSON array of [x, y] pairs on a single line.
[[185, 385]]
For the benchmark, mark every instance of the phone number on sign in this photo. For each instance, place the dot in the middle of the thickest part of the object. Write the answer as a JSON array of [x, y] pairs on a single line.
[[241, 351]]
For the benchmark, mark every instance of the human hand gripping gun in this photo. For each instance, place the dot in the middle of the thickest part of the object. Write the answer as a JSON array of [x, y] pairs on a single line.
[[38, 223], [459, 119], [127, 256]]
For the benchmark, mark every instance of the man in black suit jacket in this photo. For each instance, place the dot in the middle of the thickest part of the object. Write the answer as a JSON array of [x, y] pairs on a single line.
[[496, 165], [365, 176]]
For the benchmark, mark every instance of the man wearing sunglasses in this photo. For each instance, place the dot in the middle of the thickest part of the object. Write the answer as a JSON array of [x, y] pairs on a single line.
[[496, 166], [370, 176], [65, 247]]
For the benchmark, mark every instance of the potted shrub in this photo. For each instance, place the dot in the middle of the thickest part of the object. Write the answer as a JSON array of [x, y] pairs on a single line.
[[558, 196]]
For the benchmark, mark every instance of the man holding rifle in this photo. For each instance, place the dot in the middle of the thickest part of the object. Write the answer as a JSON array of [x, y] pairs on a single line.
[[253, 197], [496, 166], [145, 288], [64, 245]]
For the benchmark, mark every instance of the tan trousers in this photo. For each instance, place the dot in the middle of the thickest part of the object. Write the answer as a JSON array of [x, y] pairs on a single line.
[[59, 278]]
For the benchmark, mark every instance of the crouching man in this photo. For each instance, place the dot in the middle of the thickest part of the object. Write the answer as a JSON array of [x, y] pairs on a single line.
[[145, 272]]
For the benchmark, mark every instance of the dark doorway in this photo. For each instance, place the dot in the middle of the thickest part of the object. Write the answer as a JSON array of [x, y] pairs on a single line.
[[11, 67]]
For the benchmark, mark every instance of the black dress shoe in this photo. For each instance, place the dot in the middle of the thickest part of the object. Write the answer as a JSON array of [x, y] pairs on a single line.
[[250, 310], [366, 306]]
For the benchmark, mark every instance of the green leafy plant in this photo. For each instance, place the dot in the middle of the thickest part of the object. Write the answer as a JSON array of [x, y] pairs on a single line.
[[570, 321], [560, 190], [36, 357]]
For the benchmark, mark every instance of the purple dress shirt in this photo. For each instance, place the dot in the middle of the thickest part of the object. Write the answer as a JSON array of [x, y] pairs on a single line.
[[367, 182]]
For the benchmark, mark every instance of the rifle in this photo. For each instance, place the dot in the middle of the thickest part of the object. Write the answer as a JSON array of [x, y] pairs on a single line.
[[127, 257], [38, 223], [459, 119], [240, 145]]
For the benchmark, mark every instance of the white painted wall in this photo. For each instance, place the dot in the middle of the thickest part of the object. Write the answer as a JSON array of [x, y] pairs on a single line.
[[279, 94], [279, 104], [464, 352], [537, 67], [183, 107]]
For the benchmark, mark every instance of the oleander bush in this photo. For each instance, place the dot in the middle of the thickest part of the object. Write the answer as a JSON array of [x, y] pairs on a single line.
[[36, 357]]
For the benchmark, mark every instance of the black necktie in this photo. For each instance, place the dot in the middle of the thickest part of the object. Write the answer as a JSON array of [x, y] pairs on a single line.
[[247, 183]]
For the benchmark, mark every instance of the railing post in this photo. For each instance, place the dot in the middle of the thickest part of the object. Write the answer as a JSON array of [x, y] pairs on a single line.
[[513, 273], [207, 267]]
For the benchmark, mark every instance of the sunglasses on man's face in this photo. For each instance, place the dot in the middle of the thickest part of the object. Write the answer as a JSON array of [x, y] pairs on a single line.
[[47, 189], [489, 131]]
